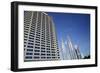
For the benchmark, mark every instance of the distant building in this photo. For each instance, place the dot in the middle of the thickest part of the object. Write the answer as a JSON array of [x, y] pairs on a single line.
[[40, 42], [71, 51], [78, 54]]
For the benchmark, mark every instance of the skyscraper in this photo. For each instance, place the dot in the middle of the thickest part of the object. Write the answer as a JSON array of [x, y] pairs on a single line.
[[77, 52], [71, 49], [74, 51], [40, 41]]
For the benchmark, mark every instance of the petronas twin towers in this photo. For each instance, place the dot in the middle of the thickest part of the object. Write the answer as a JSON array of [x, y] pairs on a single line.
[[40, 40]]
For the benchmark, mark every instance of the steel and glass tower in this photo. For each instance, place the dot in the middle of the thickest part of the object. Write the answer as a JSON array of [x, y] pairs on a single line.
[[74, 52]]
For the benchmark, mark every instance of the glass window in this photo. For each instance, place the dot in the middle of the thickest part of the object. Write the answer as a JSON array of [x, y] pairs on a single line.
[[48, 54], [48, 57], [30, 43], [37, 44], [37, 47], [43, 57], [30, 40], [53, 57], [48, 51], [42, 54], [30, 46], [29, 49], [28, 57], [36, 57], [53, 54], [24, 45], [36, 53], [29, 53], [42, 51], [42, 48], [37, 50]]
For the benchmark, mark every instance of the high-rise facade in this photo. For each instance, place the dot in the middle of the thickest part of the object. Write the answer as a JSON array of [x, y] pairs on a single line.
[[40, 41]]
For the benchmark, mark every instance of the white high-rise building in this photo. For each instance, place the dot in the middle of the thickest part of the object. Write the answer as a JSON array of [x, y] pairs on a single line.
[[40, 41]]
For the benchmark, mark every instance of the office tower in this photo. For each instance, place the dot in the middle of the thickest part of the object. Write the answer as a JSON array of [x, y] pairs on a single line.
[[40, 41], [77, 52], [65, 51], [71, 49]]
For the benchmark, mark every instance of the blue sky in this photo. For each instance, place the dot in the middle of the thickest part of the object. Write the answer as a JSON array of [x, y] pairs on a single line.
[[77, 26]]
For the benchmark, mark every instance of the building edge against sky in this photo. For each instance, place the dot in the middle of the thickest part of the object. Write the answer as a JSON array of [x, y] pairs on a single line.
[[40, 40]]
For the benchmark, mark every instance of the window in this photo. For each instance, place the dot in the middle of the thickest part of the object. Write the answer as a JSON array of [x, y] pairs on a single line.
[[25, 39], [53, 54], [25, 28], [53, 57], [48, 51], [25, 33], [42, 51], [37, 36], [48, 57], [25, 36], [29, 53], [28, 57], [37, 47], [37, 39], [24, 45], [36, 57], [58, 57], [30, 40], [43, 48], [48, 45], [43, 57], [53, 49], [32, 28], [30, 46], [33, 31], [31, 35], [26, 25], [29, 49], [30, 43], [48, 54], [43, 45], [37, 44], [37, 50], [36, 53], [48, 48], [42, 54]]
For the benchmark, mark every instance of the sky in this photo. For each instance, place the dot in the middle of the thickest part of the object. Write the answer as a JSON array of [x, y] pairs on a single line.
[[75, 25]]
